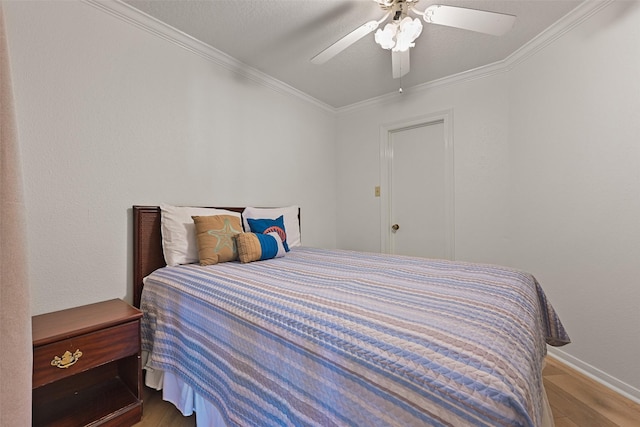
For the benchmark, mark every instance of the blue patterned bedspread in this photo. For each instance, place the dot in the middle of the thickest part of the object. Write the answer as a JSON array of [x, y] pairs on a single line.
[[340, 338]]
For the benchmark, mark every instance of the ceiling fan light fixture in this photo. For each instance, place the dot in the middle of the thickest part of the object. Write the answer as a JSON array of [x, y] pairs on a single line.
[[399, 36], [409, 30], [386, 36]]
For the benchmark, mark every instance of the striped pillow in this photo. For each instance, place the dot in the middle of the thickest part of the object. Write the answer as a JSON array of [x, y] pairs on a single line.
[[258, 247]]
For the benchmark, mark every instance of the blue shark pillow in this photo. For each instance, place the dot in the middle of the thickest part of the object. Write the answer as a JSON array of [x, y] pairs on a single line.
[[266, 226]]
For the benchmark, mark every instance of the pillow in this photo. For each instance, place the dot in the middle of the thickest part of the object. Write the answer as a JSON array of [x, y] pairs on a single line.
[[291, 221], [215, 236], [179, 232], [258, 247], [264, 226]]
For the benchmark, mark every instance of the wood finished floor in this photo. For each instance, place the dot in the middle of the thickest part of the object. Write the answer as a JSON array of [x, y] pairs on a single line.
[[576, 401]]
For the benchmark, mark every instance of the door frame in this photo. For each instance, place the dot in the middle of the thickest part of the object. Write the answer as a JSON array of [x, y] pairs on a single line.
[[386, 165]]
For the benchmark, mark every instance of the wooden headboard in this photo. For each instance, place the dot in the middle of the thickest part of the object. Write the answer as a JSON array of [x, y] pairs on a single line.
[[147, 245]]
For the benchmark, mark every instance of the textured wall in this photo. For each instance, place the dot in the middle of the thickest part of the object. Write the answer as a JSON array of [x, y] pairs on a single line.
[[480, 125], [574, 145], [110, 116]]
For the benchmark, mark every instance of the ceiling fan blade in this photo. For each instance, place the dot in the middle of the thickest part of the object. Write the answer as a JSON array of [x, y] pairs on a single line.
[[480, 21], [345, 42], [400, 63]]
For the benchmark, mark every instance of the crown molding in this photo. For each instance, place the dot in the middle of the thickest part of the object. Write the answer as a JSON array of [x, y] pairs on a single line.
[[465, 76], [565, 24], [160, 29], [141, 20]]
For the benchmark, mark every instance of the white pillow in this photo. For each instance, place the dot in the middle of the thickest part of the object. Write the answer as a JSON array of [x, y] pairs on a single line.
[[291, 221], [179, 242]]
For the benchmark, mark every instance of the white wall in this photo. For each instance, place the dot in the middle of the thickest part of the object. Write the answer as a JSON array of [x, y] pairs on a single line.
[[480, 114], [574, 143], [547, 179], [110, 115]]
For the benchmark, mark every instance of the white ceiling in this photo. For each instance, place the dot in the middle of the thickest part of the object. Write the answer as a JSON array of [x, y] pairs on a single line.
[[279, 37]]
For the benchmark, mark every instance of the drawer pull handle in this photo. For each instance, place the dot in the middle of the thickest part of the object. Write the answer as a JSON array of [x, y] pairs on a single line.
[[67, 359]]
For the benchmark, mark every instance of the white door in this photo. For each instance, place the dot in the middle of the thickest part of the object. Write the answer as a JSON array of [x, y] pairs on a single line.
[[420, 191]]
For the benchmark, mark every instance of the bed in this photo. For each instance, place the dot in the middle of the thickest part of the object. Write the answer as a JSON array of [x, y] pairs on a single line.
[[342, 338]]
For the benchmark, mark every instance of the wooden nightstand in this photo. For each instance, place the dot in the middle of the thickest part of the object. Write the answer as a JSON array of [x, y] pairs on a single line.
[[87, 367]]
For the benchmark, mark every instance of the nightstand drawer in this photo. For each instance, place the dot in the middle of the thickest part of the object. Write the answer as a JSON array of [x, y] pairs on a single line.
[[67, 357]]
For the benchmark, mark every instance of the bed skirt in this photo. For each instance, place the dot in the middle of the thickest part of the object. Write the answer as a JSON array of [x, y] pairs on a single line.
[[182, 396]]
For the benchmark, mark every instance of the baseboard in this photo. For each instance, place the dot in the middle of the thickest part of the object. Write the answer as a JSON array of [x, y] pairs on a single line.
[[596, 374]]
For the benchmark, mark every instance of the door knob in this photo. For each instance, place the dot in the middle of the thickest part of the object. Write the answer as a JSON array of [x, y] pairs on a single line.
[[395, 227]]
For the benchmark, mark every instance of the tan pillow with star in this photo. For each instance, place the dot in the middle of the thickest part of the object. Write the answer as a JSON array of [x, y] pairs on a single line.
[[214, 235]]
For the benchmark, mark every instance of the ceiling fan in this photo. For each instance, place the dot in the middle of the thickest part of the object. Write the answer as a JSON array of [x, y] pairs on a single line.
[[401, 32]]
